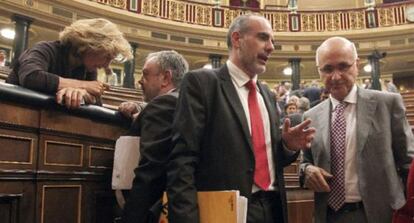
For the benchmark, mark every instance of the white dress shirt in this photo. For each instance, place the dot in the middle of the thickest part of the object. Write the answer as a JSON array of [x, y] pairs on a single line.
[[351, 174]]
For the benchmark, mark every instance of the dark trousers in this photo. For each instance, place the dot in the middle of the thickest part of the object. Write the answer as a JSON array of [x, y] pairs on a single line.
[[265, 207], [350, 212]]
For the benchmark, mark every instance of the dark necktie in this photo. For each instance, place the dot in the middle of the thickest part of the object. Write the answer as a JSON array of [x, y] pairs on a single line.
[[338, 134], [261, 173]]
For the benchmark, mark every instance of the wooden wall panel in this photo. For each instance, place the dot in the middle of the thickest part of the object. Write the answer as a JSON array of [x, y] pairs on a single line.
[[16, 149], [101, 157], [61, 203], [59, 153], [58, 121]]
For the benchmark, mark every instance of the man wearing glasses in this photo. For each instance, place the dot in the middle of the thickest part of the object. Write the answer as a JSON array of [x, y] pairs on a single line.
[[362, 144]]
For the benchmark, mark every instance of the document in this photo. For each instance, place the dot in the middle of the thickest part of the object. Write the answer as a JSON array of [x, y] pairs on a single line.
[[217, 207], [126, 159]]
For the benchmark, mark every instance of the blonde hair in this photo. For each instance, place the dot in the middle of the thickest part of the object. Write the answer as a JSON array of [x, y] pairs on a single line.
[[97, 35]]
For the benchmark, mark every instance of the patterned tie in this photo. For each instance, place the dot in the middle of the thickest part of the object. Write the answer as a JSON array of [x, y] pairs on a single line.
[[261, 172], [338, 131]]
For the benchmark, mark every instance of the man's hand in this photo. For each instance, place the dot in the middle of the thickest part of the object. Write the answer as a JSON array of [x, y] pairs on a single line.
[[298, 137], [73, 97], [316, 179], [131, 109]]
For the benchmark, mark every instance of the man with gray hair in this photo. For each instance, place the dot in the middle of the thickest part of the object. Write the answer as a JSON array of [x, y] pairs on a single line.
[[161, 77], [226, 135], [362, 146]]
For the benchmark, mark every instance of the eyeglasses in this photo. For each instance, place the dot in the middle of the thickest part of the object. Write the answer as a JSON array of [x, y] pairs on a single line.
[[341, 67]]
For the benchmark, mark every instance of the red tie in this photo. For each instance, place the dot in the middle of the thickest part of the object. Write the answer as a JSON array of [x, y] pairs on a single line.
[[261, 172]]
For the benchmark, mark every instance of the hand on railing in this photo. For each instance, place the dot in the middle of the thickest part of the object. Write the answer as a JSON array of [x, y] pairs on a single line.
[[74, 97]]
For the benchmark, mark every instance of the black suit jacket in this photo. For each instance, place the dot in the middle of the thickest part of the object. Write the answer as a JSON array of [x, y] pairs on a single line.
[[213, 148], [153, 125]]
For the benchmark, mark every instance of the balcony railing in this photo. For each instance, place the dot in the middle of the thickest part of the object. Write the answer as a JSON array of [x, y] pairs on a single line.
[[281, 20]]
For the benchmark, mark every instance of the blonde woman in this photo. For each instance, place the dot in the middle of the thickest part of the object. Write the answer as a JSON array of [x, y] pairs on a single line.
[[68, 67]]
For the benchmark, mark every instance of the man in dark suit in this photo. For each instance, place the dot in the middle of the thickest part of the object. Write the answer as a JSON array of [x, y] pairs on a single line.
[[226, 132], [362, 144], [313, 92], [161, 77]]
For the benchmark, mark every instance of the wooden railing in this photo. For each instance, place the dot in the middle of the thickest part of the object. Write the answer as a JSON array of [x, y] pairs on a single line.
[[111, 98]]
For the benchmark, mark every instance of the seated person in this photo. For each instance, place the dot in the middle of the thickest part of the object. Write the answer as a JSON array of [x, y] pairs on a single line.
[[68, 67]]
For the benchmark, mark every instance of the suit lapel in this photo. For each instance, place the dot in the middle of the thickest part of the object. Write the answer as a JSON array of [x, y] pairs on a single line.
[[365, 111], [232, 97], [324, 126]]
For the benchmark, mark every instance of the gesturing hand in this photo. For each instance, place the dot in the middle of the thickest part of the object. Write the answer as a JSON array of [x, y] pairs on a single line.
[[298, 137]]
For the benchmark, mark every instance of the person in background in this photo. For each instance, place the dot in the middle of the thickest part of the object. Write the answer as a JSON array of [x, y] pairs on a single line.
[[303, 105], [313, 92], [161, 78], [68, 67], [324, 95], [3, 59], [111, 77], [390, 86], [291, 108], [225, 136], [367, 84], [363, 144]]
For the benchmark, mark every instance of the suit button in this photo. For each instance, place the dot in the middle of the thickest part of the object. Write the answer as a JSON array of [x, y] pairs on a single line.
[[250, 170]]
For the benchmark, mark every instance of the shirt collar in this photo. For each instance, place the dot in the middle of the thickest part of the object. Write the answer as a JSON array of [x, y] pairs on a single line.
[[237, 75], [351, 98], [171, 90]]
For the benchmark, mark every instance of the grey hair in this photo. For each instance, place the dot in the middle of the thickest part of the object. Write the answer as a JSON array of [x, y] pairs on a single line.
[[171, 60], [303, 104], [336, 38], [241, 25]]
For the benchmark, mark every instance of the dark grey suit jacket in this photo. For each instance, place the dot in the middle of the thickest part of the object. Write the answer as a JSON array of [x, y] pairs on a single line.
[[384, 144], [153, 125], [213, 148]]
